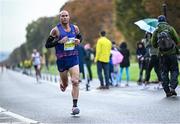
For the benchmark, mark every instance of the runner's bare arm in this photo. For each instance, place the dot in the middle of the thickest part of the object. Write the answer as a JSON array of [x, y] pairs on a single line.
[[78, 34], [76, 29], [32, 57], [53, 35]]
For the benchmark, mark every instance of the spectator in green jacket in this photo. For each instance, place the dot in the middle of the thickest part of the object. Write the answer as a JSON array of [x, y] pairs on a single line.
[[166, 34]]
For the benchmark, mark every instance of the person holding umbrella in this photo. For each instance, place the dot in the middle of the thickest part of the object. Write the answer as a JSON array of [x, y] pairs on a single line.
[[152, 60]]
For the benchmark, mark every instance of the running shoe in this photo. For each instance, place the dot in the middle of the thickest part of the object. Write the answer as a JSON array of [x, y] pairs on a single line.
[[75, 111]]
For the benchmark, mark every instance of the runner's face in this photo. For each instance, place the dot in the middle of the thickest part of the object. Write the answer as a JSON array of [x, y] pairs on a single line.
[[64, 17]]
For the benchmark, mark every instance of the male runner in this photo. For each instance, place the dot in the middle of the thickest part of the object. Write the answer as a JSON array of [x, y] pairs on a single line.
[[65, 37], [36, 60]]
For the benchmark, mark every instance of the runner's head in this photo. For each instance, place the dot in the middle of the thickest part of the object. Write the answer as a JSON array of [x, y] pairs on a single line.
[[64, 17], [34, 50]]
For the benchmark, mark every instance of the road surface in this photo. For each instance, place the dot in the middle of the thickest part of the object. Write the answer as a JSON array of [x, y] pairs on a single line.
[[44, 103]]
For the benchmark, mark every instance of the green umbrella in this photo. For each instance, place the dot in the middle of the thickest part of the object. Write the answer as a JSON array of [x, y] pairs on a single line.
[[148, 24], [151, 22]]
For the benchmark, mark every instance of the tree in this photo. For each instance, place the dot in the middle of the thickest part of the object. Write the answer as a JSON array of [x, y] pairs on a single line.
[[154, 8], [128, 12], [117, 17], [94, 16]]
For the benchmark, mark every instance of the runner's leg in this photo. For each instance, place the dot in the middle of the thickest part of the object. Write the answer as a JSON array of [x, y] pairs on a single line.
[[36, 72], [39, 70], [74, 73], [63, 80]]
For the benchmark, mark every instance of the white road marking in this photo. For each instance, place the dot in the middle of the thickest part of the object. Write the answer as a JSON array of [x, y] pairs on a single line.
[[19, 117]]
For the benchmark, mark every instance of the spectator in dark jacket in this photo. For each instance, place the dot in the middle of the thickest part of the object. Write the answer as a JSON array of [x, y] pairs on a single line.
[[82, 54], [125, 62], [89, 59], [152, 61], [141, 52]]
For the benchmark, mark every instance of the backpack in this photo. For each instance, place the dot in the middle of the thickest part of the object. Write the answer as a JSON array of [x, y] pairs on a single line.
[[165, 42]]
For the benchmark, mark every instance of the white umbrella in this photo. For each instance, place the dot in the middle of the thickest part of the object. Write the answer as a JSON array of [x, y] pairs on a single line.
[[148, 25]]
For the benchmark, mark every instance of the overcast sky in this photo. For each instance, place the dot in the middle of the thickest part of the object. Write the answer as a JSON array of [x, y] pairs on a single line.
[[15, 15]]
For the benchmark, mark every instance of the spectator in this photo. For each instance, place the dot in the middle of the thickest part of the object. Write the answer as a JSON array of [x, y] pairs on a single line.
[[89, 57], [103, 49], [125, 62], [140, 52], [166, 39], [152, 61], [81, 56]]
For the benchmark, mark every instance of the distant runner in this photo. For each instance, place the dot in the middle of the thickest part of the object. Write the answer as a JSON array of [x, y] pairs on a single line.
[[36, 60]]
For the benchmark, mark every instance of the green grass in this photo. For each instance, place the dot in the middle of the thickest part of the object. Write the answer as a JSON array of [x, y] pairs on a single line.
[[52, 70], [133, 70]]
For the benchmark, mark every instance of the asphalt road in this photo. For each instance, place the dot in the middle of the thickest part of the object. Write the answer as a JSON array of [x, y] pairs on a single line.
[[45, 103]]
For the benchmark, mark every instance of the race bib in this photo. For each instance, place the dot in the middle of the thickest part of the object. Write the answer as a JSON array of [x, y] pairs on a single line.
[[69, 45]]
